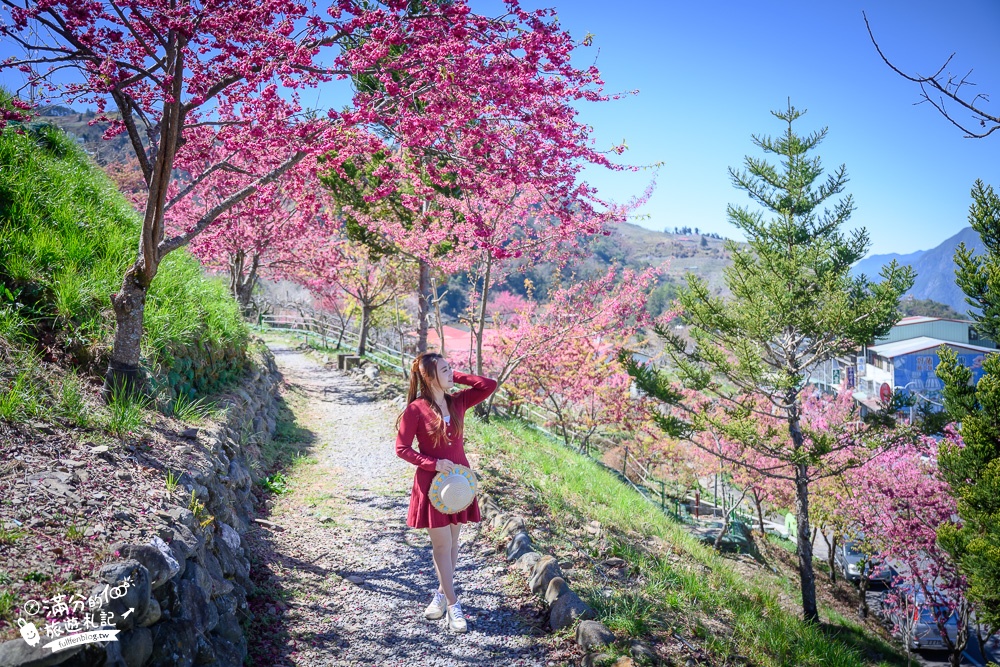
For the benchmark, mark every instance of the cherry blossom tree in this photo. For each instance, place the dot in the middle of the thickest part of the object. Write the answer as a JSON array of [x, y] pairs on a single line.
[[489, 98], [608, 305], [899, 501], [581, 383], [514, 230], [127, 175], [13, 109], [264, 235], [504, 305], [373, 282]]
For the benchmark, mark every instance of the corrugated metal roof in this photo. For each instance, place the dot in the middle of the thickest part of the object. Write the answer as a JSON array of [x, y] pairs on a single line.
[[922, 319], [909, 345]]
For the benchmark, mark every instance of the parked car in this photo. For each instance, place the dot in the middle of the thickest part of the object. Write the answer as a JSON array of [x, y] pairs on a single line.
[[848, 558], [912, 614]]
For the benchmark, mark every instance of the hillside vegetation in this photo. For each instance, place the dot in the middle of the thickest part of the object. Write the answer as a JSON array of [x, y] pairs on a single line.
[[690, 601], [66, 237]]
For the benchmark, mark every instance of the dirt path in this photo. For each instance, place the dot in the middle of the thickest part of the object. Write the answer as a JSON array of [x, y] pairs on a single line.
[[345, 582]]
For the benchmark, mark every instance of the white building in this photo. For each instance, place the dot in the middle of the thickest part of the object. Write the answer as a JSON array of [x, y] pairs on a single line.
[[905, 360]]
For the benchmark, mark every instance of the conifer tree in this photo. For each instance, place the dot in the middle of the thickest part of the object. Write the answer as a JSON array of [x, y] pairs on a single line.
[[972, 468], [794, 304]]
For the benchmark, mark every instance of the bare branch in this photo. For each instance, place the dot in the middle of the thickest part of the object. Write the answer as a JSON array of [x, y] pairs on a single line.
[[947, 89]]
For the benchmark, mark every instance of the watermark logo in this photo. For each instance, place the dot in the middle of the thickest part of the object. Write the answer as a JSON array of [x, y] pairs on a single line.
[[29, 632], [59, 623]]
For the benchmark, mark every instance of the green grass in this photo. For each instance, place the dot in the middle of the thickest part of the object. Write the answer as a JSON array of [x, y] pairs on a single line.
[[22, 398], [7, 602], [10, 535], [125, 412], [74, 534], [173, 479], [666, 592], [188, 410], [287, 444], [72, 404], [66, 238]]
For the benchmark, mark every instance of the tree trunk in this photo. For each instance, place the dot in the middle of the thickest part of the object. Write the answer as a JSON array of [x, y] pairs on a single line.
[[725, 529], [438, 324], [483, 409], [240, 284], [481, 324], [129, 304], [402, 350], [236, 261], [366, 318], [728, 516], [423, 305], [961, 636], [831, 549], [863, 588], [760, 515], [810, 612]]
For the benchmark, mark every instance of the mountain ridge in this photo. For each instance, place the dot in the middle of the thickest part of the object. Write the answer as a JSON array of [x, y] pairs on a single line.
[[935, 269]]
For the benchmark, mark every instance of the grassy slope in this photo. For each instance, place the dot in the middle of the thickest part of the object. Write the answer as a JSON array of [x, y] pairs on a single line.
[[66, 237], [675, 587]]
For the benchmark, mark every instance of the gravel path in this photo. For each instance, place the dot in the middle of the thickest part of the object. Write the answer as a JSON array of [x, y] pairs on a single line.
[[352, 578]]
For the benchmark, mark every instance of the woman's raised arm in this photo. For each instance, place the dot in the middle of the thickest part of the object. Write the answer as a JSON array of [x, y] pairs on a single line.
[[479, 389]]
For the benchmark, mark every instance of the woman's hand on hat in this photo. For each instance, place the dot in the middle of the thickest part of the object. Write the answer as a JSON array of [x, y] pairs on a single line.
[[445, 466]]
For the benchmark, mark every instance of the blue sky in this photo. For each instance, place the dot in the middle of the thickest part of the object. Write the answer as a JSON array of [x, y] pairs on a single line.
[[708, 73]]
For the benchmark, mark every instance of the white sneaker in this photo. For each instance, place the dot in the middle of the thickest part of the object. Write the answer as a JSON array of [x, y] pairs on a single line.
[[456, 619], [436, 608]]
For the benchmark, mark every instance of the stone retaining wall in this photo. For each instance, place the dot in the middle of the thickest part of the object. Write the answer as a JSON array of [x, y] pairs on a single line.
[[187, 586]]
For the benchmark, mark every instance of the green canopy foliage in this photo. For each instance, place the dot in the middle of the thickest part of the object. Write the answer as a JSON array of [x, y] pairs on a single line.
[[973, 469]]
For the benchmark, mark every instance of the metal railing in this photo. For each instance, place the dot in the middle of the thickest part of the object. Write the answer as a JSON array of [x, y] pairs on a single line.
[[329, 332]]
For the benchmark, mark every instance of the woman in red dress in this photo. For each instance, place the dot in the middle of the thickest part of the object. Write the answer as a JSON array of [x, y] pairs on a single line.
[[435, 418]]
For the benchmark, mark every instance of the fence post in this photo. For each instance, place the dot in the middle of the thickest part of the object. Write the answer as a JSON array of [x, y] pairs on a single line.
[[663, 496], [625, 464]]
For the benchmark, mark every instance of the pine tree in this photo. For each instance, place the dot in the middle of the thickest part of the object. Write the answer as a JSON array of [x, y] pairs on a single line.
[[794, 304], [973, 470]]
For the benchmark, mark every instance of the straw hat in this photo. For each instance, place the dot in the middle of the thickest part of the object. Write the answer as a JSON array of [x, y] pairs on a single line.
[[451, 493]]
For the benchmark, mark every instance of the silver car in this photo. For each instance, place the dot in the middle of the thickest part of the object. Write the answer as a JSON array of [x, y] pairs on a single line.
[[848, 558]]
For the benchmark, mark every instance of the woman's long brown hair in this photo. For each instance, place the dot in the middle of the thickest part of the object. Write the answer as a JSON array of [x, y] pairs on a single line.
[[422, 374]]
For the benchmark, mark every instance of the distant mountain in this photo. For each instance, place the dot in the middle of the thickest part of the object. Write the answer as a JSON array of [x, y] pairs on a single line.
[[872, 266], [935, 269], [88, 133]]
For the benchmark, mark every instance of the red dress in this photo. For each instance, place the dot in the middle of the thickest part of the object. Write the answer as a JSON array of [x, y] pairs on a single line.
[[418, 418]]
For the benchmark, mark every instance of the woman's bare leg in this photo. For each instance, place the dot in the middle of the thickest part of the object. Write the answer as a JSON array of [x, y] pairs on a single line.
[[456, 530], [441, 548]]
